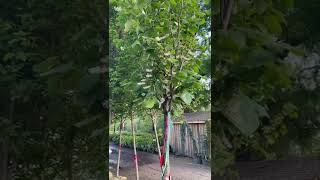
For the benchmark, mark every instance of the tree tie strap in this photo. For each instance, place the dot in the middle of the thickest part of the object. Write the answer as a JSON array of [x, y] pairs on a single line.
[[169, 126]]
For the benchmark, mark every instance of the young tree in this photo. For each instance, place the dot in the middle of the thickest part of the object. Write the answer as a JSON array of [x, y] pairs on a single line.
[[161, 38]]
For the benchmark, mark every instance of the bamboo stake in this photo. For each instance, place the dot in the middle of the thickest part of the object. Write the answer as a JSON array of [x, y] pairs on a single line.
[[153, 117], [134, 147], [119, 149]]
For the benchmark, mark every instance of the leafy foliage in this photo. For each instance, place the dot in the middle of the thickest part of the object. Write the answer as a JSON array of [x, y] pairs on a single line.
[[256, 110], [145, 141], [159, 51], [46, 50]]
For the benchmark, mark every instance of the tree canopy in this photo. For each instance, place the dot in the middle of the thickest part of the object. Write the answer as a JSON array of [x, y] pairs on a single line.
[[259, 95], [51, 97]]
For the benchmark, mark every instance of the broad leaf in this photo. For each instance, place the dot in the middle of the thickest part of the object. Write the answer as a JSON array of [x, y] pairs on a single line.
[[149, 103], [59, 69], [186, 97], [244, 113]]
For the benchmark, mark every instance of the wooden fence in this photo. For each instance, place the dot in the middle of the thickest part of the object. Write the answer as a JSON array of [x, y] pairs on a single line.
[[183, 144]]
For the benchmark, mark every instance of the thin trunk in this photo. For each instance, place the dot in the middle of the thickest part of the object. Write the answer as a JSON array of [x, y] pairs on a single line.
[[4, 148], [134, 147], [4, 161], [156, 133], [119, 149], [69, 165], [69, 158], [166, 121], [114, 128], [226, 12]]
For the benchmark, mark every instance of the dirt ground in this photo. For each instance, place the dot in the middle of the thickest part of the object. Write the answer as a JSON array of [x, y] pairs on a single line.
[[182, 168], [289, 169]]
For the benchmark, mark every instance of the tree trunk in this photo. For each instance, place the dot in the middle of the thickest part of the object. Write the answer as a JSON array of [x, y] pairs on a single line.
[[4, 161], [69, 165], [69, 158], [134, 147], [4, 147], [226, 13], [119, 149], [114, 128], [166, 120]]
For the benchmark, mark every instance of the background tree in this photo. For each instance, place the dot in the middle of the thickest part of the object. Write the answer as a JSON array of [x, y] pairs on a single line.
[[52, 109]]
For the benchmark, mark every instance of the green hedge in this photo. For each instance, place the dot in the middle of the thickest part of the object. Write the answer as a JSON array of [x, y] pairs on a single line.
[[144, 141]]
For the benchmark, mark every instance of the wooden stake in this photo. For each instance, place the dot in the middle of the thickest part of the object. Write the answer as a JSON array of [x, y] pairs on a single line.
[[153, 117], [119, 149], [134, 147]]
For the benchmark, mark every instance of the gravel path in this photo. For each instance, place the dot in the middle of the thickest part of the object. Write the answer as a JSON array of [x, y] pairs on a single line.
[[182, 168]]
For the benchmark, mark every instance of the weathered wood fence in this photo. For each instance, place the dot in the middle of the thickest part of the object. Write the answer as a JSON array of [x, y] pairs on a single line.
[[182, 143]]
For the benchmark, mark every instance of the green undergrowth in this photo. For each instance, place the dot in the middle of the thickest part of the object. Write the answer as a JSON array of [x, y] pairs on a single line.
[[144, 141]]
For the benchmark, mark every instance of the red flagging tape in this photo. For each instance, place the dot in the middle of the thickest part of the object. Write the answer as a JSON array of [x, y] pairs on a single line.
[[136, 158], [161, 160]]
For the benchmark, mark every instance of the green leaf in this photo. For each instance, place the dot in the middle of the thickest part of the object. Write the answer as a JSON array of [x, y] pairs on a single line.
[[149, 103], [97, 70], [173, 2], [59, 69], [230, 41], [8, 56], [244, 113], [87, 121], [181, 75], [130, 24], [98, 132], [21, 56], [136, 43], [46, 65], [273, 24], [288, 3], [261, 6], [257, 57], [193, 30], [172, 60], [298, 52], [89, 82], [186, 97]]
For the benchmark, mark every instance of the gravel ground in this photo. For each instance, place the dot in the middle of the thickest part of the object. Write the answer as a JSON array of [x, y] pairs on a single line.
[[182, 168]]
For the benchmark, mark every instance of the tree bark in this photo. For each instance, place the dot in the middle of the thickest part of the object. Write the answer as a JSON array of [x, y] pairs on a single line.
[[4, 161], [134, 147], [4, 147], [69, 163], [166, 121], [226, 12]]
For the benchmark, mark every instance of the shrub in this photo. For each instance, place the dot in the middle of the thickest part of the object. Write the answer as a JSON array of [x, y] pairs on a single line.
[[144, 141]]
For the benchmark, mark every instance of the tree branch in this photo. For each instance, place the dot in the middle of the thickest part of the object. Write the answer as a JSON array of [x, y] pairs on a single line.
[[226, 14]]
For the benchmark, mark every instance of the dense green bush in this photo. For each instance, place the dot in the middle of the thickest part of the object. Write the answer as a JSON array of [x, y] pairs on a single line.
[[144, 141]]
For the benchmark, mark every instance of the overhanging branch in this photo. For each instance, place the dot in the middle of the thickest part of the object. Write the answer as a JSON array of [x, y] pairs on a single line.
[[226, 13]]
